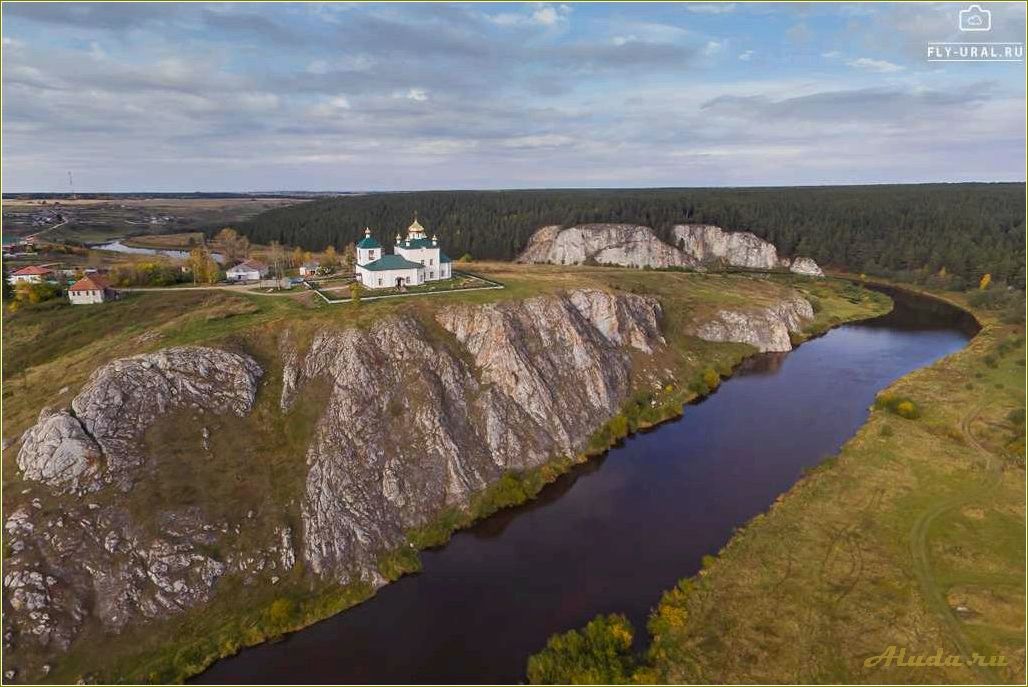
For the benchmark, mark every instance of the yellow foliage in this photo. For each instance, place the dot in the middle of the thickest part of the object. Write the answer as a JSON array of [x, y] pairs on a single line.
[[986, 280], [906, 409]]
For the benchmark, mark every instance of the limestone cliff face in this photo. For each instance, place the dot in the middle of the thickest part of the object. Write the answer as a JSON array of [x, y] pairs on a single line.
[[420, 416], [630, 245], [710, 245], [96, 442], [414, 425], [698, 246], [72, 558], [767, 329]]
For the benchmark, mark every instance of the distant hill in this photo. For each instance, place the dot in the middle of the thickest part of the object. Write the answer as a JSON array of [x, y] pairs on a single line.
[[901, 231]]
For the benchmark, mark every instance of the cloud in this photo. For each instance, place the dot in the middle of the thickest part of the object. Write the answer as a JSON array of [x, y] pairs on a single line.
[[372, 96], [713, 48], [710, 7], [880, 66], [542, 14]]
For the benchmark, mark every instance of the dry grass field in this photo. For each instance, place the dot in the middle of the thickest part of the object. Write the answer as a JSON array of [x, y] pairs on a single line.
[[97, 220]]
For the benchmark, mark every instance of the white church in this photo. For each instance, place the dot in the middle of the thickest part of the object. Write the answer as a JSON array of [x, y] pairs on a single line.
[[415, 260]]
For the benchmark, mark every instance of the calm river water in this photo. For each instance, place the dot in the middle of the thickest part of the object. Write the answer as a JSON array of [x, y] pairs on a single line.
[[613, 534]]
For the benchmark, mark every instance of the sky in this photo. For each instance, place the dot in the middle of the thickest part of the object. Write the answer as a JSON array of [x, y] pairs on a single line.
[[409, 96]]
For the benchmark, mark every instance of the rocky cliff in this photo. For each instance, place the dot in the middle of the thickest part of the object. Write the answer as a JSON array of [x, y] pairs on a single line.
[[414, 426], [698, 246], [712, 245], [415, 415], [630, 245], [767, 329], [73, 559], [421, 416]]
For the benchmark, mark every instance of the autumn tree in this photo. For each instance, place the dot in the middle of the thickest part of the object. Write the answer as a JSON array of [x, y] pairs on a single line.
[[233, 246], [297, 258], [600, 653], [985, 281], [349, 258], [331, 260], [355, 292], [278, 258]]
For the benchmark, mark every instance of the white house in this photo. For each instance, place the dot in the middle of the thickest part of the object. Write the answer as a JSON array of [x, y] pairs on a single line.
[[416, 259], [248, 270], [33, 274], [91, 288]]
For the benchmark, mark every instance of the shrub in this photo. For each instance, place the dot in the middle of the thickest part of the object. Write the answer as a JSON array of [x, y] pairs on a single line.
[[711, 379], [279, 613], [159, 273], [907, 409], [898, 405], [600, 653], [619, 427]]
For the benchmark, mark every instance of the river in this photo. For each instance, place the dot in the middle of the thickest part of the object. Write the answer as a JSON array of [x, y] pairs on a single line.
[[119, 247], [616, 532]]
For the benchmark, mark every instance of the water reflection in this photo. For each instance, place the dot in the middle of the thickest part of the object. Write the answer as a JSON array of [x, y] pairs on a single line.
[[616, 532]]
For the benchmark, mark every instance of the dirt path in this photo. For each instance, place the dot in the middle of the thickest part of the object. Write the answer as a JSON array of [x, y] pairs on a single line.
[[919, 545], [242, 288]]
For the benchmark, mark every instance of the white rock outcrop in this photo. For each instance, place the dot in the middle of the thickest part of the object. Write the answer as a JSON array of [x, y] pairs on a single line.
[[97, 440], [630, 245], [57, 450], [712, 245], [697, 246], [805, 266], [767, 329]]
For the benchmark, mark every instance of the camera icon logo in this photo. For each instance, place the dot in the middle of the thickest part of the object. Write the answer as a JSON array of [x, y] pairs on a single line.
[[974, 18]]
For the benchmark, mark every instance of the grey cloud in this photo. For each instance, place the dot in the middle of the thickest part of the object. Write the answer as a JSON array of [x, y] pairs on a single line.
[[868, 104], [106, 16]]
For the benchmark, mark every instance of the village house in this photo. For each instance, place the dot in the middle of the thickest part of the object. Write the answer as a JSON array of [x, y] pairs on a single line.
[[248, 270], [416, 259], [33, 274], [309, 269], [92, 288]]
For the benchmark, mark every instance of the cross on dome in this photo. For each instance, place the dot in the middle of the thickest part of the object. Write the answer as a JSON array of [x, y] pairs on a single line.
[[415, 230]]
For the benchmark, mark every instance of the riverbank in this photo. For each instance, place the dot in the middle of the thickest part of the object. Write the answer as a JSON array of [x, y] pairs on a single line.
[[910, 539], [244, 613]]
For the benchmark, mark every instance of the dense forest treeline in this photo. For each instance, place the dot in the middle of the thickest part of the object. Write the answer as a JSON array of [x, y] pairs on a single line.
[[960, 231]]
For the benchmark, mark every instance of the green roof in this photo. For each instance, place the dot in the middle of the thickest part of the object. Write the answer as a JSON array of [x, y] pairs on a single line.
[[443, 257], [391, 262], [418, 243], [369, 242]]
